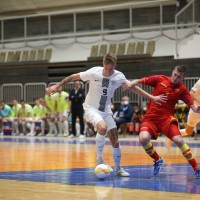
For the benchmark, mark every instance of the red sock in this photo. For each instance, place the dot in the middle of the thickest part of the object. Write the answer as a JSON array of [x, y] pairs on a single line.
[[149, 148], [189, 157]]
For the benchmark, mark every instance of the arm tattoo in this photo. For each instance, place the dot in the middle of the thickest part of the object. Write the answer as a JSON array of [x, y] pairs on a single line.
[[66, 80]]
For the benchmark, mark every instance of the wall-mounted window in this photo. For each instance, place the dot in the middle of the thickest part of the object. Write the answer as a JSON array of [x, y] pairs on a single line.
[[169, 14], [88, 21], [37, 26], [62, 24], [13, 28], [145, 16], [116, 19]]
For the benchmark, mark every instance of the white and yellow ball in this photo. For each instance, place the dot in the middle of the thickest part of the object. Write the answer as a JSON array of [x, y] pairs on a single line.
[[102, 171]]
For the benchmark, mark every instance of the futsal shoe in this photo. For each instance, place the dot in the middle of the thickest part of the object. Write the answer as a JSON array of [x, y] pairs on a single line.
[[66, 134], [41, 134], [157, 166], [101, 161], [71, 136], [197, 174], [50, 135], [121, 172]]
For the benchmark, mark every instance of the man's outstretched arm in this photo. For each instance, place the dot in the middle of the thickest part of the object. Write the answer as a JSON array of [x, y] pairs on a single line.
[[68, 79], [157, 99]]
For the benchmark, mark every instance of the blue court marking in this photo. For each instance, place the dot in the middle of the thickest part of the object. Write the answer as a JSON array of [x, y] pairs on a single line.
[[172, 178], [83, 141]]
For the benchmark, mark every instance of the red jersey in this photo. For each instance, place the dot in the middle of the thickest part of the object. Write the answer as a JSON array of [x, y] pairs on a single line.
[[174, 92]]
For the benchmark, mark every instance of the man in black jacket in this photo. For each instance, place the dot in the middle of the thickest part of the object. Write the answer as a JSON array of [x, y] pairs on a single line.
[[77, 97]]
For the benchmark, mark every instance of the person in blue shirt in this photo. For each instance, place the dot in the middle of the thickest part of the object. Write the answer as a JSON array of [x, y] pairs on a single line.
[[125, 113], [5, 110], [6, 115]]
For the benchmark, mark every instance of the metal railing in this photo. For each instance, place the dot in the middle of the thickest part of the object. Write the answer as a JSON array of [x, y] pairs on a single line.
[[46, 30], [30, 91], [11, 91], [34, 90]]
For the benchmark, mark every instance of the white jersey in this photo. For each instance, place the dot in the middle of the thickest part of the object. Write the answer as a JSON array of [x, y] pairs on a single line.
[[193, 117], [101, 88], [196, 89]]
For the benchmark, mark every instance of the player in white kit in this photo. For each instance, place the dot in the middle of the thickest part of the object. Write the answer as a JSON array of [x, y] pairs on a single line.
[[193, 118], [103, 81]]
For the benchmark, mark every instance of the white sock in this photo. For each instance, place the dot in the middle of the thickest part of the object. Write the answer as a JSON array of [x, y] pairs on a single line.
[[24, 126], [59, 127], [117, 156], [78, 129], [100, 142], [16, 127], [42, 126], [31, 127], [52, 128], [65, 127], [85, 128]]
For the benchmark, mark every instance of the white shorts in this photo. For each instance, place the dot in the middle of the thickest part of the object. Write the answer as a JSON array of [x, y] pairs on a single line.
[[193, 118], [63, 114], [95, 116], [8, 119], [52, 115]]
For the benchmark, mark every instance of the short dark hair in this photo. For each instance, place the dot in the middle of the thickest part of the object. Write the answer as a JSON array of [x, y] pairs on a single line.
[[181, 68], [109, 58], [22, 101]]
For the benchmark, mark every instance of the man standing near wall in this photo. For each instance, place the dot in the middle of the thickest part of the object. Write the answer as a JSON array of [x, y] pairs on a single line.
[[77, 97]]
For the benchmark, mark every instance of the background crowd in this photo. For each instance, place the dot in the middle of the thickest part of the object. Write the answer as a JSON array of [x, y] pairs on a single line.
[[62, 114]]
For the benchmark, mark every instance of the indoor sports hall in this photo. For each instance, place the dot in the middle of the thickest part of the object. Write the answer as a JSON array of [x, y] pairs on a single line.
[[46, 153]]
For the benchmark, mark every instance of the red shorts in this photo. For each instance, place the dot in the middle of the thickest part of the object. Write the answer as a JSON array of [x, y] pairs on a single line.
[[158, 125]]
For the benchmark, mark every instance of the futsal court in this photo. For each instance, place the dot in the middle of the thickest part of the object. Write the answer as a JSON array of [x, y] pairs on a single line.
[[62, 168]]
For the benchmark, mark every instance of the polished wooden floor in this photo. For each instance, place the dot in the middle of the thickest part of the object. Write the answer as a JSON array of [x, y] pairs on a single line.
[[61, 168]]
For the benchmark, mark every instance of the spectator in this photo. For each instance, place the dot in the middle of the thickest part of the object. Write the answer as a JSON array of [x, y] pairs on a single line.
[[16, 107], [38, 123], [62, 112], [44, 116], [50, 103], [125, 113], [25, 117], [77, 97], [6, 114], [136, 118]]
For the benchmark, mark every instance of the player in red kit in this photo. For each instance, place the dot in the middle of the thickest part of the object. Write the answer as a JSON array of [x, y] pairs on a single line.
[[159, 118]]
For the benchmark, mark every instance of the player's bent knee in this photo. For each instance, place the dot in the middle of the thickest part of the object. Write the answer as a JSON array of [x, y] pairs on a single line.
[[144, 137], [178, 140], [101, 128]]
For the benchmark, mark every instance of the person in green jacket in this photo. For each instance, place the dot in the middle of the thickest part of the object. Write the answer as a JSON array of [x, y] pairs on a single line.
[[62, 112], [26, 117], [51, 105], [16, 107]]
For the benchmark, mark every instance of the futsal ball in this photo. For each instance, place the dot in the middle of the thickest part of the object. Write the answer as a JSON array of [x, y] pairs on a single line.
[[102, 171]]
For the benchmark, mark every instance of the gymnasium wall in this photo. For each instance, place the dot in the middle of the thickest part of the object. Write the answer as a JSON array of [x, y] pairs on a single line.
[[70, 56]]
